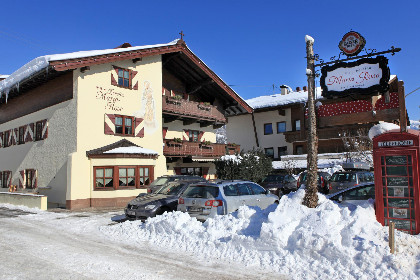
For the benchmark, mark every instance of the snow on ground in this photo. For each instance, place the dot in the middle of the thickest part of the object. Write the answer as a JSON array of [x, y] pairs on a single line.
[[328, 242]]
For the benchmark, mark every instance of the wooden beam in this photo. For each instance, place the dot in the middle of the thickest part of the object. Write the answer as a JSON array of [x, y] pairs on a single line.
[[388, 115], [403, 112]]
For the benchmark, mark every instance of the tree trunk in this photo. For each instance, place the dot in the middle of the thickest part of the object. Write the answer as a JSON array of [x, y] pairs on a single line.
[[311, 194]]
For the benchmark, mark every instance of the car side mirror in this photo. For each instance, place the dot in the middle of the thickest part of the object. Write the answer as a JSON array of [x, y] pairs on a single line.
[[340, 198]]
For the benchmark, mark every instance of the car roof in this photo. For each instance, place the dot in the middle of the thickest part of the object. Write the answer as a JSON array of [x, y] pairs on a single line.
[[351, 188]]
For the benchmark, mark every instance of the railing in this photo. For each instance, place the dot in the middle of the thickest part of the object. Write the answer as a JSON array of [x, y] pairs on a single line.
[[191, 109], [186, 148]]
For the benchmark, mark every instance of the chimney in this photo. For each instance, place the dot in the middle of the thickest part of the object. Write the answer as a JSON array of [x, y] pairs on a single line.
[[305, 88], [284, 90], [297, 88]]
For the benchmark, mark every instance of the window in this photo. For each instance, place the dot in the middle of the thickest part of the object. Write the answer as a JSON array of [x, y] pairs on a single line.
[[198, 171], [29, 178], [268, 128], [297, 125], [21, 135], [126, 177], [144, 178], [122, 177], [299, 150], [193, 135], [282, 151], [281, 127], [124, 125], [123, 78], [4, 178], [269, 152], [39, 126], [6, 136], [257, 189], [243, 189], [230, 190]]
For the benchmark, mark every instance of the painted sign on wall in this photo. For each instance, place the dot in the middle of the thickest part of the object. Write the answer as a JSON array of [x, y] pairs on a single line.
[[364, 76]]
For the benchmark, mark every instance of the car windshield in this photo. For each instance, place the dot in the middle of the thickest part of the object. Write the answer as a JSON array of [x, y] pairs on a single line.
[[201, 192], [159, 181], [273, 178], [343, 177], [171, 189]]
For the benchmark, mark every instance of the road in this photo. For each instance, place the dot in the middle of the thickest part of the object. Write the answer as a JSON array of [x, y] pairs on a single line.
[[68, 245]]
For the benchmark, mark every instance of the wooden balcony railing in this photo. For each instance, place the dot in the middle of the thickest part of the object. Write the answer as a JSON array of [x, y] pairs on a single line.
[[191, 109], [186, 148]]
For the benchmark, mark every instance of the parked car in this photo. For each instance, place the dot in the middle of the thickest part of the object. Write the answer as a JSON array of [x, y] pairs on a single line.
[[355, 195], [163, 200], [165, 179], [323, 178], [204, 200], [344, 179], [279, 184]]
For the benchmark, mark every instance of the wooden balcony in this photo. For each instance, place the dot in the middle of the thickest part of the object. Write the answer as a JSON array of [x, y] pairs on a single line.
[[191, 109], [186, 148]]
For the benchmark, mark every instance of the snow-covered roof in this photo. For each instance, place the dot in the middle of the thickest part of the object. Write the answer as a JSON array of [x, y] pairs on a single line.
[[131, 150], [42, 62], [279, 99]]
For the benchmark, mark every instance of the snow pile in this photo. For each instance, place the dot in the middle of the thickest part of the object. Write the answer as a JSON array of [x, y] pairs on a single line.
[[131, 150], [328, 242], [381, 128]]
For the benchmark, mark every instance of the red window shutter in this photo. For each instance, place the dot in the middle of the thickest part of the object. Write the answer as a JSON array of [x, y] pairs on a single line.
[[136, 85], [164, 131], [15, 135], [22, 179], [113, 81], [200, 135], [8, 178], [185, 135], [10, 140], [139, 127], [1, 139], [109, 124], [29, 132], [34, 179], [44, 129], [177, 170]]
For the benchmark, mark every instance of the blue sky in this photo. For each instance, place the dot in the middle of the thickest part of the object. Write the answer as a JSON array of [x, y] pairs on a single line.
[[251, 45]]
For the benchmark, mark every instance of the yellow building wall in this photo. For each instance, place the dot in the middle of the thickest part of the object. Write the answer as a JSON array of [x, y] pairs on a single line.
[[96, 96]]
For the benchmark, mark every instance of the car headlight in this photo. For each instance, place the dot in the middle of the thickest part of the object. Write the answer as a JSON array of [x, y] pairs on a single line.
[[150, 207]]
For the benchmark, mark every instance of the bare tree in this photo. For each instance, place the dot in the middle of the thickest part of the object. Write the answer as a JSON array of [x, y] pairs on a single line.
[[357, 145], [290, 166]]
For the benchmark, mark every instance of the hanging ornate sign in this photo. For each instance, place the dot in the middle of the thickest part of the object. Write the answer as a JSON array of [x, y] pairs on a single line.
[[364, 76], [352, 43]]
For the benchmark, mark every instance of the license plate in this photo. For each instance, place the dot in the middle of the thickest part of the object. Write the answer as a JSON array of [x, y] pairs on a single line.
[[195, 209], [131, 213]]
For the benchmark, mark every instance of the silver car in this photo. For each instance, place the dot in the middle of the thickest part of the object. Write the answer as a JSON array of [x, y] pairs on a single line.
[[207, 200], [342, 180]]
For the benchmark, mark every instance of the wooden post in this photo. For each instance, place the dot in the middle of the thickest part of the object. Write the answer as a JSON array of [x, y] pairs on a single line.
[[311, 192], [392, 237], [403, 113]]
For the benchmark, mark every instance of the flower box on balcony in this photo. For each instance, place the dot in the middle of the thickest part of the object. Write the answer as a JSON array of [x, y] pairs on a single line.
[[204, 106]]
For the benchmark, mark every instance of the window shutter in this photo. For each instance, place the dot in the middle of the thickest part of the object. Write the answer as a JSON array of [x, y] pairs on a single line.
[[136, 85], [44, 129], [29, 132], [113, 81], [22, 179], [185, 135], [200, 135], [109, 124], [177, 170], [10, 141], [139, 130], [164, 131], [9, 178], [34, 179], [15, 135], [1, 139]]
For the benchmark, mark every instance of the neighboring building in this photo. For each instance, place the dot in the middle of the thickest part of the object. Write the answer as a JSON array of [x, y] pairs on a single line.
[[95, 128], [278, 124]]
